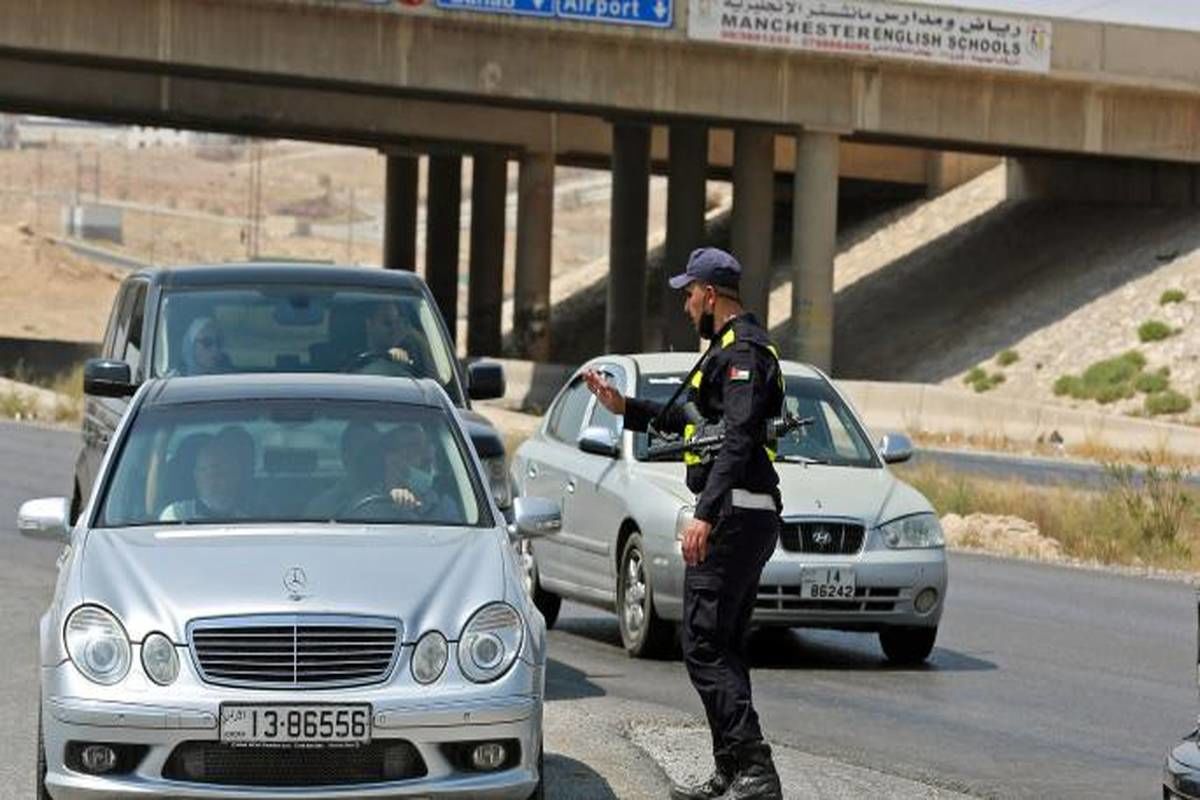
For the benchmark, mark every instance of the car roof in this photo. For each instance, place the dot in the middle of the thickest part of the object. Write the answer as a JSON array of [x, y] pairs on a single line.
[[292, 386], [682, 362], [268, 272]]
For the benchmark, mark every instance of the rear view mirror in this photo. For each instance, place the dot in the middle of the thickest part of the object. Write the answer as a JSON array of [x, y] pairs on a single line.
[[105, 378], [601, 441], [534, 517], [895, 448], [485, 380], [45, 518]]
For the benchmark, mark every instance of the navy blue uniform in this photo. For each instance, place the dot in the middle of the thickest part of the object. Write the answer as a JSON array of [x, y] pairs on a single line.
[[739, 382]]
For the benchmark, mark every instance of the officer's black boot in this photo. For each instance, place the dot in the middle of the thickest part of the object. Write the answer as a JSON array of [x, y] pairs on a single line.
[[756, 777], [716, 785]]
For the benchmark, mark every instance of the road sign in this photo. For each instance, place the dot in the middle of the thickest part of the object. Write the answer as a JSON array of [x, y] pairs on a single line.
[[527, 8], [652, 13]]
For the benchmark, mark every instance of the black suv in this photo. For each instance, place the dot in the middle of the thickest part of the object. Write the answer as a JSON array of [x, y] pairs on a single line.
[[278, 317]]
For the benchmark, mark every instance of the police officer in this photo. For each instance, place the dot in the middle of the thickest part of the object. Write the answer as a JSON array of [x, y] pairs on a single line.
[[736, 520]]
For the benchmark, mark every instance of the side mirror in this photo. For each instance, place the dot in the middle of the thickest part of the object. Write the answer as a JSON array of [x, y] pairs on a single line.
[[45, 518], [485, 380], [600, 441], [534, 517], [105, 378], [895, 448]]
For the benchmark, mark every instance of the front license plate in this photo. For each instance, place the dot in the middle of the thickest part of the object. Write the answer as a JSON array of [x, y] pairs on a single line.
[[827, 583], [263, 724]]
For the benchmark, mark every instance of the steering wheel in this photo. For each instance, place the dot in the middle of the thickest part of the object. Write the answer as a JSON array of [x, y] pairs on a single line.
[[368, 357], [373, 499]]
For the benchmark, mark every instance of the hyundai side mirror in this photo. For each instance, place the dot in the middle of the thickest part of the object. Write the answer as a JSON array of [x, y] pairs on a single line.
[[106, 378], [45, 518], [485, 380], [534, 517], [600, 441], [895, 448]]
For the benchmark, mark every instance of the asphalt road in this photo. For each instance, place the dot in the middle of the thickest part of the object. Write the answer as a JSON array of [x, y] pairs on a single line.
[[1036, 470], [1047, 682]]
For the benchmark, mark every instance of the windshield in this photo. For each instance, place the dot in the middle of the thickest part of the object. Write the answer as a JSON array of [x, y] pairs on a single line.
[[291, 461], [298, 328], [834, 437]]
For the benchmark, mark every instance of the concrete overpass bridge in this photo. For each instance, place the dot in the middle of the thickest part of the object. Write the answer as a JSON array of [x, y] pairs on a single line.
[[755, 90]]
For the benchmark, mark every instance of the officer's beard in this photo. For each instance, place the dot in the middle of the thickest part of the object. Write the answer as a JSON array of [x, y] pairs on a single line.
[[707, 326]]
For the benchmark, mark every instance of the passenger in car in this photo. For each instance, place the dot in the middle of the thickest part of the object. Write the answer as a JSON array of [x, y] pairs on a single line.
[[224, 466], [411, 474], [204, 349]]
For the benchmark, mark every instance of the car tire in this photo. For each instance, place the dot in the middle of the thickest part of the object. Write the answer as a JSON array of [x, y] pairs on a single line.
[[40, 775], [547, 602], [643, 632], [540, 792], [907, 645]]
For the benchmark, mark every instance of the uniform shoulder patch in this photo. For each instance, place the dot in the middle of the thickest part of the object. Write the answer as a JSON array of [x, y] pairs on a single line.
[[738, 374]]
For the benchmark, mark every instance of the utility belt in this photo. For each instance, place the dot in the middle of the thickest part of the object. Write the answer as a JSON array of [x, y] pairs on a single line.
[[752, 501]]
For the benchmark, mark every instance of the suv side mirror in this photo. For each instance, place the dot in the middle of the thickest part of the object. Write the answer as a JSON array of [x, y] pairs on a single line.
[[105, 378], [600, 441], [485, 380], [45, 518], [534, 517], [895, 448]]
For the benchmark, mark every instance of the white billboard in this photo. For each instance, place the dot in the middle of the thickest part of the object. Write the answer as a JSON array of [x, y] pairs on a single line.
[[876, 29]]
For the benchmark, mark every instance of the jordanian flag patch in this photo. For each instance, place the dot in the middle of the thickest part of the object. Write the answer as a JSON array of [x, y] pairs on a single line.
[[736, 374]]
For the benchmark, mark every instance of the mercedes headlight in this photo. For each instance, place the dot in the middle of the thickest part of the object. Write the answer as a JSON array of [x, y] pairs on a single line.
[[429, 657], [97, 644], [498, 482], [919, 530], [490, 642], [159, 659]]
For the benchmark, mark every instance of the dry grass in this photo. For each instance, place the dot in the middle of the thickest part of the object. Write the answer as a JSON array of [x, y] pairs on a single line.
[[65, 406], [1152, 521], [1089, 449]]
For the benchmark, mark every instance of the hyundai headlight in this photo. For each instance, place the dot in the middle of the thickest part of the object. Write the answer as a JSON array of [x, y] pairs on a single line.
[[498, 482], [429, 657], [97, 645], [917, 531], [490, 642], [159, 659]]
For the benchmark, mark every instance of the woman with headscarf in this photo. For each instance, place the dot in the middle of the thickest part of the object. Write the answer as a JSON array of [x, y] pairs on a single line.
[[203, 349]]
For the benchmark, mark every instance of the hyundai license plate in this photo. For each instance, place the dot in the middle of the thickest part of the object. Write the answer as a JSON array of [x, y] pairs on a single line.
[[311, 724], [827, 583]]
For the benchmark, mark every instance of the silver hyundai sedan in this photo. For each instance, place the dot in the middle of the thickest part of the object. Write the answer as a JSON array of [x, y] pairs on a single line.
[[859, 549], [290, 586]]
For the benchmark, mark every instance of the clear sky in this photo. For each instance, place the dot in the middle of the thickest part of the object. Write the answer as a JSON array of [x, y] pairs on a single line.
[[1180, 14]]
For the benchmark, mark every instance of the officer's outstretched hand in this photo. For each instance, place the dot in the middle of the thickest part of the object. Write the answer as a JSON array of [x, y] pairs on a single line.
[[695, 541], [608, 396]]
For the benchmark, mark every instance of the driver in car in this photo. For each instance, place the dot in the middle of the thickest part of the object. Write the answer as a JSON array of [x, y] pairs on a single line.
[[222, 473], [410, 473], [392, 337]]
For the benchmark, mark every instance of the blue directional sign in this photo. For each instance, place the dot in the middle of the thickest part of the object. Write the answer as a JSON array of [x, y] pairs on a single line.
[[653, 13], [527, 8]]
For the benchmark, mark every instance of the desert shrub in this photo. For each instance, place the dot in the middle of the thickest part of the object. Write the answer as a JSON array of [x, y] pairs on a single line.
[[1154, 331]]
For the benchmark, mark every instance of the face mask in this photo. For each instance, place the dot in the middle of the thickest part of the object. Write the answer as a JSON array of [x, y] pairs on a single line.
[[420, 480]]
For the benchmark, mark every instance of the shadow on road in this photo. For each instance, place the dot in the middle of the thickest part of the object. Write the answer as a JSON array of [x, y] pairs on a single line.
[[564, 682], [568, 778]]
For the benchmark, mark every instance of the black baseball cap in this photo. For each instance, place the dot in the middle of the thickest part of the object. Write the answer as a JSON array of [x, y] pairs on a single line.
[[709, 265]]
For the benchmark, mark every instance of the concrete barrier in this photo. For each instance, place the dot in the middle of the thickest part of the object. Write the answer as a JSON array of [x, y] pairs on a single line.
[[43, 359]]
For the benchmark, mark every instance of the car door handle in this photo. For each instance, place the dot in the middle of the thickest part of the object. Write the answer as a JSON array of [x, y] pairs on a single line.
[[570, 487], [532, 472]]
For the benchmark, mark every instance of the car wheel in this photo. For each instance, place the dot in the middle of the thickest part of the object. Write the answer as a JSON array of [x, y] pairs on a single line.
[[40, 775], [547, 602], [643, 632], [540, 792], [907, 645]]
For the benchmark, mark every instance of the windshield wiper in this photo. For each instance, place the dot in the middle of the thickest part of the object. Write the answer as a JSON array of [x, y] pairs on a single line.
[[795, 459]]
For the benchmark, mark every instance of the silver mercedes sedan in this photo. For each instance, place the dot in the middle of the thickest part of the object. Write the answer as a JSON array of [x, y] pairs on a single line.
[[859, 549], [290, 586]]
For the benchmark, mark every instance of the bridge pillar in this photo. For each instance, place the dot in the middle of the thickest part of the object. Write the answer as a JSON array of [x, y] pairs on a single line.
[[814, 243], [753, 213], [400, 212], [535, 229], [443, 223], [626, 310], [687, 170], [485, 293]]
